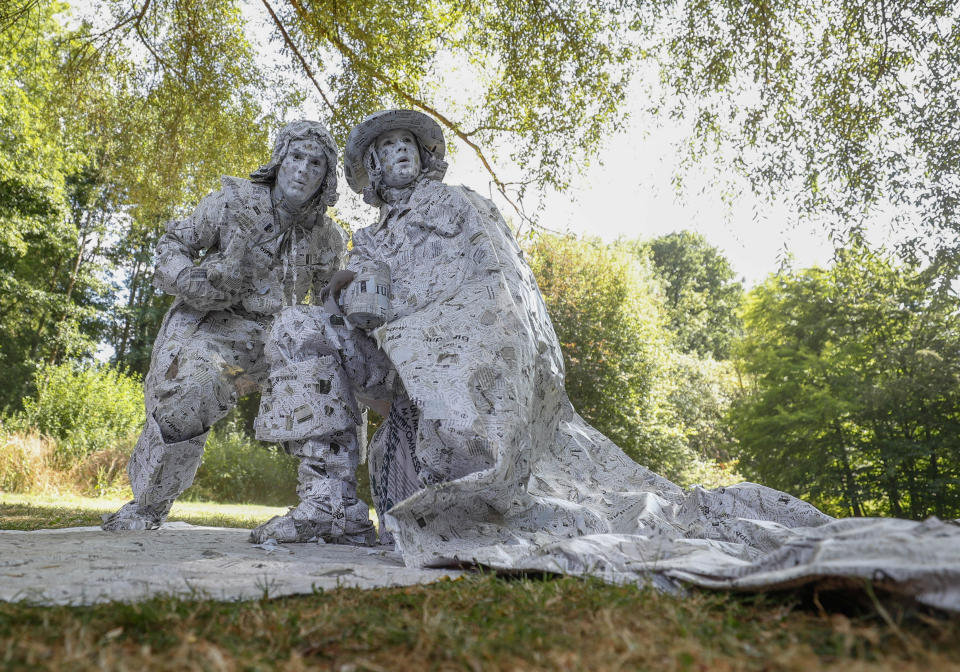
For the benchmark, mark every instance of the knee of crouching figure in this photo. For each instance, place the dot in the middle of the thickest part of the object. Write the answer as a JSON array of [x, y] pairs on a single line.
[[189, 405]]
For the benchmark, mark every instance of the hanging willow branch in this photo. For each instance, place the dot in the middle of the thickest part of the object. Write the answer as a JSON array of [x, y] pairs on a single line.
[[293, 47], [361, 65]]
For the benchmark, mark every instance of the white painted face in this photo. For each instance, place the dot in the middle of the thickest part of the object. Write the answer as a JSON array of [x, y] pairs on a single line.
[[302, 171], [399, 157]]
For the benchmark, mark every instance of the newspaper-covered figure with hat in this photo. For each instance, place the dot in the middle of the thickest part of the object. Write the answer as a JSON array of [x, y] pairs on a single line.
[[248, 250], [483, 459]]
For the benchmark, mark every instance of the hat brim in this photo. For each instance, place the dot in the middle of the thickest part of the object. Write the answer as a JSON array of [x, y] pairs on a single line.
[[426, 129]]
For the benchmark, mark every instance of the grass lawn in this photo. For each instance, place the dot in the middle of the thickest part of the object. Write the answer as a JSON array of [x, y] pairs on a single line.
[[480, 622], [32, 512]]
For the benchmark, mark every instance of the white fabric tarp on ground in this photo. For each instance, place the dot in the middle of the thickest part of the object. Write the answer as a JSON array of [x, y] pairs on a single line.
[[84, 565]]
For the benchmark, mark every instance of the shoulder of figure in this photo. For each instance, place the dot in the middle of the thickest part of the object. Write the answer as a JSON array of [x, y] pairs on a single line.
[[477, 200], [238, 185], [442, 208]]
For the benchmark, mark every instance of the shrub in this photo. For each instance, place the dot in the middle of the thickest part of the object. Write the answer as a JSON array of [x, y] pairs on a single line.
[[84, 409], [237, 468]]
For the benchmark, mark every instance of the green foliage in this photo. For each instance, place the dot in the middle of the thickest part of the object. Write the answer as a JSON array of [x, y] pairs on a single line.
[[237, 468], [547, 81], [855, 394], [43, 281], [702, 294], [843, 105], [608, 318], [666, 409], [621, 373], [700, 393], [85, 409]]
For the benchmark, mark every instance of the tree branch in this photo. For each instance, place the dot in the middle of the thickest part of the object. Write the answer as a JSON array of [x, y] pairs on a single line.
[[135, 18], [293, 47], [10, 16], [373, 73]]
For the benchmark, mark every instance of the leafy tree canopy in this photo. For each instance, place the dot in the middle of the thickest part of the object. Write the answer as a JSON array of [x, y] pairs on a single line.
[[844, 105], [855, 394], [701, 291]]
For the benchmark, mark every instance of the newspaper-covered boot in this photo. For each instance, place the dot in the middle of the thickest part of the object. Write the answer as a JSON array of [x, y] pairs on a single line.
[[329, 509], [159, 471], [133, 516]]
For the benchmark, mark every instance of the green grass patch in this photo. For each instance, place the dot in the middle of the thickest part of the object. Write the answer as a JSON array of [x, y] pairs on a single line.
[[31, 512], [479, 622]]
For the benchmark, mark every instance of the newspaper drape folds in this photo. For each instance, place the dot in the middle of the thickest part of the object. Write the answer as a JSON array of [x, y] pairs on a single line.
[[482, 458]]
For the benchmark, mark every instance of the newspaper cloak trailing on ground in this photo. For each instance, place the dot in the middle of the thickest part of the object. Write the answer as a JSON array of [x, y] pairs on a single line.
[[487, 461]]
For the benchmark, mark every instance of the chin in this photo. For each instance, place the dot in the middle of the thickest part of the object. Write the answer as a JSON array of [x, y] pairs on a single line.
[[405, 177]]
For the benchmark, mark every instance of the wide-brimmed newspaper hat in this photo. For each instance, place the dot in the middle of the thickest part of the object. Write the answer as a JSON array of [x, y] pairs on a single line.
[[427, 130]]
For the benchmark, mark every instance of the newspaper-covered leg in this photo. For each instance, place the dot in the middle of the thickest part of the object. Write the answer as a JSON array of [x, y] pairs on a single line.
[[395, 469], [159, 471], [316, 363], [195, 379]]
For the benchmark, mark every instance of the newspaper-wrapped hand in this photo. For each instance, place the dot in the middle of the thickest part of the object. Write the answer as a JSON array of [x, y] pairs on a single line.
[[330, 295], [195, 288], [226, 277]]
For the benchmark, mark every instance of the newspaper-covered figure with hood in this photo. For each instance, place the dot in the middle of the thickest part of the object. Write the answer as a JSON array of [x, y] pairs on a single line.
[[247, 251], [482, 459]]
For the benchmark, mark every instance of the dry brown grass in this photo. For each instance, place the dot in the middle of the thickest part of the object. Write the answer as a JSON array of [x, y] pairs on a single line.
[[28, 464], [479, 623]]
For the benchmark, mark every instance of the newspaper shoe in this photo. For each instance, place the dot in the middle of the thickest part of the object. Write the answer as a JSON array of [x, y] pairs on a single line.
[[132, 516], [328, 508], [356, 530]]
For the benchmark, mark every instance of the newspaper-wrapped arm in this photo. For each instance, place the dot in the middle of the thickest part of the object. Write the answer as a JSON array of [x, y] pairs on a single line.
[[182, 244], [332, 256]]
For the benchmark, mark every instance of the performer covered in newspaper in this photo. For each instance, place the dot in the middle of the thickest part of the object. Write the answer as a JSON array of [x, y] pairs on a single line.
[[482, 458], [248, 249]]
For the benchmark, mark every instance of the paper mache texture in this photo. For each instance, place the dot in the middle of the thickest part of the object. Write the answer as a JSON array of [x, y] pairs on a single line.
[[209, 350]]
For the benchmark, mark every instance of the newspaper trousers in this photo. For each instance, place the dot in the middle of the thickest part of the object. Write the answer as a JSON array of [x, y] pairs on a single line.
[[201, 364], [318, 367]]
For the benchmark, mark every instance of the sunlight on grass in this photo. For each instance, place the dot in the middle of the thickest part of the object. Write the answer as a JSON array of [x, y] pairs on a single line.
[[24, 512], [32, 512]]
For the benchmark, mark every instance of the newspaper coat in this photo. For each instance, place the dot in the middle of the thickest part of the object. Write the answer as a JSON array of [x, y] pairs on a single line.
[[484, 460]]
